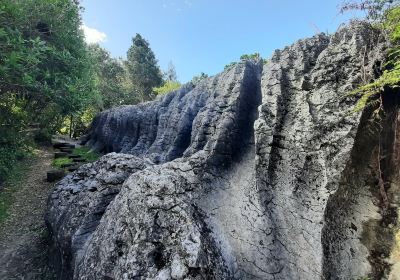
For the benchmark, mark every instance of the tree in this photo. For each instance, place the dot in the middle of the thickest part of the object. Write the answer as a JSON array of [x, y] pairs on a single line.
[[45, 70], [170, 74], [143, 70], [110, 76]]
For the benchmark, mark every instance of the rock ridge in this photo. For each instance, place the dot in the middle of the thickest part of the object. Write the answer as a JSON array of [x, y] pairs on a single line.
[[236, 177]]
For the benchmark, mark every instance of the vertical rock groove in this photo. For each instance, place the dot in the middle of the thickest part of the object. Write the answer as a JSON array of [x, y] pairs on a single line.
[[256, 173], [359, 233], [304, 136]]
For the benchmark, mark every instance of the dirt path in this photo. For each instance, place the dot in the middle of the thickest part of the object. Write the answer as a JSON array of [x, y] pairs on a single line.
[[23, 236]]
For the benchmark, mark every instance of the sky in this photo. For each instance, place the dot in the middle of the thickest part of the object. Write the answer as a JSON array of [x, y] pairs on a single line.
[[205, 35]]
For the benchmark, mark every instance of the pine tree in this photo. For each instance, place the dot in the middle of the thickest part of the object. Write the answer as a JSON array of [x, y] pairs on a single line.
[[143, 69]]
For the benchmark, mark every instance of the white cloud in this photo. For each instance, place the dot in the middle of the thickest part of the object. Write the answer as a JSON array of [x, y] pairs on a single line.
[[92, 35]]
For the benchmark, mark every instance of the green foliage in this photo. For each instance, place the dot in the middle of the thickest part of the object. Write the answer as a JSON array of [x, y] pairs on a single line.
[[9, 156], [167, 87], [198, 78], [390, 79], [12, 183], [84, 152], [13, 147], [110, 78], [45, 71], [254, 56], [87, 154], [230, 65], [43, 57], [143, 70], [393, 24], [50, 77], [59, 162]]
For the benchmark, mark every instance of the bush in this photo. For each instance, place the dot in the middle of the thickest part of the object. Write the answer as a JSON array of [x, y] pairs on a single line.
[[250, 56], [9, 155], [230, 65], [13, 182], [167, 87]]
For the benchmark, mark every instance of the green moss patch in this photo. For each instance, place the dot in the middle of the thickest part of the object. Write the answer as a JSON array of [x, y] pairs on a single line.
[[59, 162], [86, 153]]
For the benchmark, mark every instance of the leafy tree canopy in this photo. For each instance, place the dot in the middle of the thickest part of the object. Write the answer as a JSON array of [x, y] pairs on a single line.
[[110, 77], [45, 70]]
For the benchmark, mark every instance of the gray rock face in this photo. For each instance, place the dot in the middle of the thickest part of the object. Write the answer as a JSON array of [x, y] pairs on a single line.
[[306, 132], [237, 177], [79, 201]]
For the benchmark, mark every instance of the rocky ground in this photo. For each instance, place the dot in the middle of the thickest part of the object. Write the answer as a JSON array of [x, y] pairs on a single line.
[[23, 235]]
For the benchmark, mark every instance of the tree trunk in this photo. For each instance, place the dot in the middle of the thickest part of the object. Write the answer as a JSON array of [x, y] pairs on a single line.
[[70, 126]]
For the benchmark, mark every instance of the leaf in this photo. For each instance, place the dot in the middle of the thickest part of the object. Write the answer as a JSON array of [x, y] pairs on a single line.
[[13, 58]]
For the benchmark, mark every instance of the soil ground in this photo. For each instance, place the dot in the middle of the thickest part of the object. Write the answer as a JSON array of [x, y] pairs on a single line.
[[23, 235]]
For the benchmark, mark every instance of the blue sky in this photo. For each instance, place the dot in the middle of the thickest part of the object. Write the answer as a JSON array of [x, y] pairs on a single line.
[[205, 35]]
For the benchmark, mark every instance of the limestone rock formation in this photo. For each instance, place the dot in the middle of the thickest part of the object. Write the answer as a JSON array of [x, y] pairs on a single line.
[[242, 176]]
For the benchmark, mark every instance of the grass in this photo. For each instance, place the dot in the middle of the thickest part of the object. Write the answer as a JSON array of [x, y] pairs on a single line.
[[86, 153], [58, 162], [12, 184]]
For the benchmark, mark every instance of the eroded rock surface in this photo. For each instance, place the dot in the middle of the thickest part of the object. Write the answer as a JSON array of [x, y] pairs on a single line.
[[234, 178], [79, 201]]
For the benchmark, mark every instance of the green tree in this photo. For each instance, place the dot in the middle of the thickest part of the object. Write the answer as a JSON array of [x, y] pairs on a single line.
[[143, 69], [43, 56], [110, 76], [230, 65], [45, 70]]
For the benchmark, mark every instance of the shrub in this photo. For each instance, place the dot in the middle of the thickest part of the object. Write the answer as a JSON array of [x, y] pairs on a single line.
[[230, 65], [167, 87]]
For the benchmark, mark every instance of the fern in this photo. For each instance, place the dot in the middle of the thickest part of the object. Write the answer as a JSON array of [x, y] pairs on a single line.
[[391, 76]]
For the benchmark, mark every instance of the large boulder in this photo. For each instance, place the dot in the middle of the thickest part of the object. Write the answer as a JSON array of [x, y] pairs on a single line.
[[238, 177]]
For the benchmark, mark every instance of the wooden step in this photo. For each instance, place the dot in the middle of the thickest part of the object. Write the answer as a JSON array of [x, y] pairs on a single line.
[[60, 154], [55, 175]]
